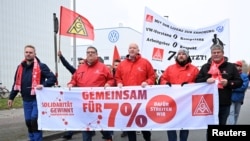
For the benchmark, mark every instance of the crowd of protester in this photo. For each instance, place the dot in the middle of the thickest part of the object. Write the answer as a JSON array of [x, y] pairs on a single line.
[[232, 83]]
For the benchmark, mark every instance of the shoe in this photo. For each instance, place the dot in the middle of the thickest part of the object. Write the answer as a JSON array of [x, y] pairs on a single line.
[[67, 137], [124, 134]]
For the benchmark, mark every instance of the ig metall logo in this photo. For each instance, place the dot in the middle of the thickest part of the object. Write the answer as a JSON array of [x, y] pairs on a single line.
[[113, 36]]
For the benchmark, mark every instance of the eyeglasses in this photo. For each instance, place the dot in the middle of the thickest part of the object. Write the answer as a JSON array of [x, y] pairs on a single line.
[[218, 52], [92, 52]]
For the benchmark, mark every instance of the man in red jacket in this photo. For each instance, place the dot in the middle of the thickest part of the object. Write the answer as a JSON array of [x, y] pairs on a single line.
[[92, 73], [181, 72], [135, 71]]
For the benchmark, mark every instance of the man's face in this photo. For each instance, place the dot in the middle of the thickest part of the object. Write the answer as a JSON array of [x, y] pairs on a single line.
[[91, 55], [80, 62], [29, 54], [217, 55], [133, 50], [181, 57], [116, 64], [239, 68]]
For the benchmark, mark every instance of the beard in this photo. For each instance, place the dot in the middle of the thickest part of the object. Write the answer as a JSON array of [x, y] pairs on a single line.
[[182, 63], [29, 59]]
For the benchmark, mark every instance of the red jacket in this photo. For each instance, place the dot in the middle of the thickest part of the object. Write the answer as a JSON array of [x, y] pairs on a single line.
[[176, 74], [133, 73], [94, 75]]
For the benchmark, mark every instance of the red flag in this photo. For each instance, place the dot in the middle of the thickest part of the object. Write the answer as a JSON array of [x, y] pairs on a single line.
[[116, 55], [74, 25]]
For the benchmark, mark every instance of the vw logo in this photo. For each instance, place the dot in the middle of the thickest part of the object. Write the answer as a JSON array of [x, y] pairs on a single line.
[[220, 28], [113, 36]]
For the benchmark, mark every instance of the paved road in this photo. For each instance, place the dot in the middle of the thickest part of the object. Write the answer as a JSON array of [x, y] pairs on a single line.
[[198, 135], [12, 128]]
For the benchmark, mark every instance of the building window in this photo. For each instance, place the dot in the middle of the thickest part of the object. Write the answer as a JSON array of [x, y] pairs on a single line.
[[106, 57], [123, 57]]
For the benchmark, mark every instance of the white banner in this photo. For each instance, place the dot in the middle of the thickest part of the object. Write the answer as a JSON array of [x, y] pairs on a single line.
[[162, 39], [158, 107]]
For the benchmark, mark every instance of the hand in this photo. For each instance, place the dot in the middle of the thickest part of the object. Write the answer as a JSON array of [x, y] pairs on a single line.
[[70, 86], [169, 84], [144, 84], [184, 83], [39, 87], [106, 85], [224, 82], [210, 80], [59, 53], [10, 102], [119, 85]]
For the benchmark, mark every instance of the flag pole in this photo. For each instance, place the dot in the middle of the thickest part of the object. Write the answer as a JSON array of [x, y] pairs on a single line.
[[55, 22], [74, 39]]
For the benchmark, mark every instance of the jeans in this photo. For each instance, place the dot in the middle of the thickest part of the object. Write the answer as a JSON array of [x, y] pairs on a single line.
[[87, 135], [107, 135], [31, 116], [132, 135], [172, 135], [234, 113]]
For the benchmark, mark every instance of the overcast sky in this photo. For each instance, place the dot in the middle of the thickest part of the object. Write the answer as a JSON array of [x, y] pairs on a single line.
[[183, 13]]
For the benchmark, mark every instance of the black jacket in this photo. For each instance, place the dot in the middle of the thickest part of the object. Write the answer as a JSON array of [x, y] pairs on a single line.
[[68, 66], [48, 79], [229, 72]]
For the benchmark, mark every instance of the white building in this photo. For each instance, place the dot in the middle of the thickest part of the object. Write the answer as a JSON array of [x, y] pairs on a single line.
[[26, 22], [106, 39]]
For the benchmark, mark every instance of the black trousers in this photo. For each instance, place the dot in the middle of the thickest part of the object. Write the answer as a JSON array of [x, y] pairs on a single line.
[[132, 135]]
